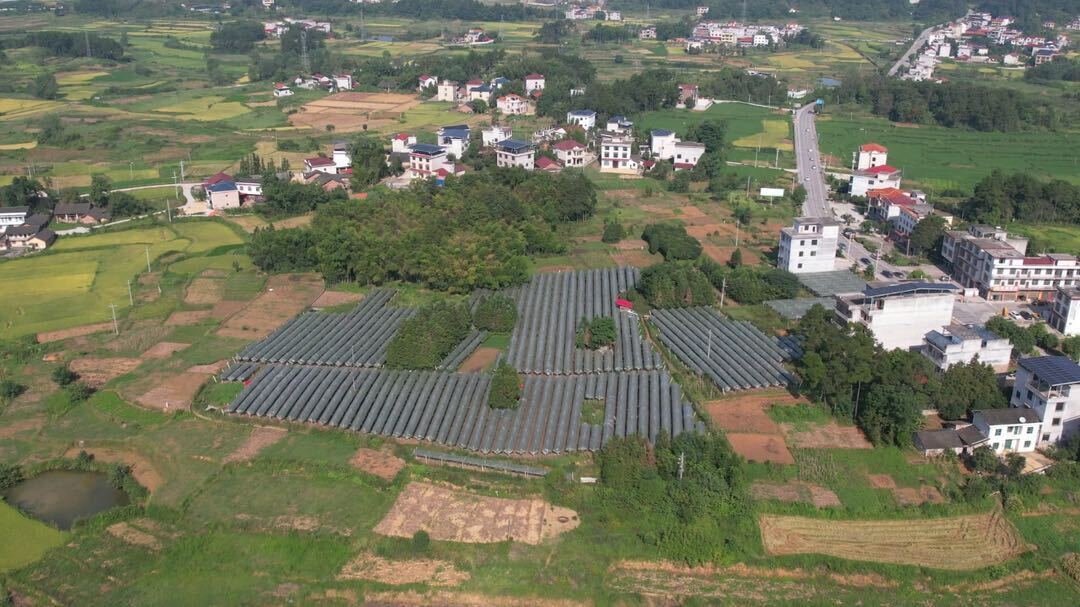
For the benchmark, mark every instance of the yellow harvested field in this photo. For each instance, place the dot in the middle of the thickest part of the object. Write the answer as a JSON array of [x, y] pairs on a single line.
[[959, 542], [26, 145], [774, 135], [350, 112], [205, 108], [11, 109], [82, 77]]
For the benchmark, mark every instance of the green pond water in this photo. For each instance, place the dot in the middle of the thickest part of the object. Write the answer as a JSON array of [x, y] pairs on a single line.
[[60, 497]]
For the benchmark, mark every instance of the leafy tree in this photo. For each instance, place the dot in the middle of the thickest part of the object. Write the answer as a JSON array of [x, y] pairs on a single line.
[[554, 32], [78, 392], [479, 106], [1022, 340], [505, 390], [368, 162], [736, 259], [10, 389], [680, 183], [237, 36], [44, 86], [712, 134], [676, 285], [424, 340], [496, 313], [967, 386], [927, 236], [100, 187], [63, 376], [595, 334], [890, 414], [613, 232], [1070, 346], [421, 541], [122, 204], [671, 241], [983, 459], [10, 475]]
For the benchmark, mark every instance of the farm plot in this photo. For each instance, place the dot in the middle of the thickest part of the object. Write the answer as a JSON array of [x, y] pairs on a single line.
[[734, 355], [451, 408], [357, 339], [351, 112], [957, 543], [549, 310], [453, 515], [284, 297], [795, 491]]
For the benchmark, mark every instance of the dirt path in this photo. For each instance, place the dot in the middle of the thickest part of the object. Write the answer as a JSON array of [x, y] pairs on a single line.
[[141, 468], [260, 438]]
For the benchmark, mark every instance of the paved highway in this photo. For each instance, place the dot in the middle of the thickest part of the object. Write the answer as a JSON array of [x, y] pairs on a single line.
[[808, 164]]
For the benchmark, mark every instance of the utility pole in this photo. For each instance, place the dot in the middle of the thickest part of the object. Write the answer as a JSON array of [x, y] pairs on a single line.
[[116, 327], [682, 464], [708, 348], [777, 163], [148, 270], [723, 291], [88, 53], [131, 170], [305, 61], [131, 300]]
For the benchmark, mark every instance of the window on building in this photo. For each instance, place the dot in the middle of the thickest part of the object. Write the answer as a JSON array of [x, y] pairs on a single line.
[[1031, 430], [1027, 444], [1008, 444], [995, 446], [997, 432], [1056, 422], [1046, 437], [1059, 407]]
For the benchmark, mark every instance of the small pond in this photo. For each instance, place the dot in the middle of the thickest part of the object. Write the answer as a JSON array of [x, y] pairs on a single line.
[[59, 497]]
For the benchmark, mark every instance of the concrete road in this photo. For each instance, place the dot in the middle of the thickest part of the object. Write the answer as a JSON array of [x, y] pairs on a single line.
[[808, 164]]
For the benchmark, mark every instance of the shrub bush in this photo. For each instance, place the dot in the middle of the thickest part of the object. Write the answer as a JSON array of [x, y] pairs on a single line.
[[10, 475], [497, 314], [505, 391], [64, 376], [671, 241], [596, 333], [425, 339], [676, 285], [613, 232]]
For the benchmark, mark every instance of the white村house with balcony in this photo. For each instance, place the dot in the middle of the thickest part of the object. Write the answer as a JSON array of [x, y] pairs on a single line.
[[1049, 387]]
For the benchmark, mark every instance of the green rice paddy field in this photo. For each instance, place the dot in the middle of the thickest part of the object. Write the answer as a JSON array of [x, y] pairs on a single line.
[[937, 157], [23, 540]]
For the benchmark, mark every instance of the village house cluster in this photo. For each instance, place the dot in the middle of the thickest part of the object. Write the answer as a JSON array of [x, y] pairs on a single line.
[[591, 11], [334, 83], [979, 38], [490, 92], [277, 29], [23, 231]]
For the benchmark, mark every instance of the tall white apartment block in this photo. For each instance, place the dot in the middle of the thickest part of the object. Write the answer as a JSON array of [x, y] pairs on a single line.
[[1050, 387], [809, 245]]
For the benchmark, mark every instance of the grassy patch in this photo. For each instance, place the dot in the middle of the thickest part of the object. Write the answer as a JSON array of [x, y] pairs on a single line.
[[592, 411], [23, 540]]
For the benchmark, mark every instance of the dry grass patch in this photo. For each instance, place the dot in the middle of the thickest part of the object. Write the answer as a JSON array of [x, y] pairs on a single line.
[[134, 536], [382, 464], [286, 295], [164, 349], [910, 496], [330, 299], [48, 336], [454, 515], [260, 438], [98, 371], [203, 291], [830, 435], [446, 598], [367, 566], [169, 391], [192, 317], [210, 369], [795, 491], [761, 448], [958, 543]]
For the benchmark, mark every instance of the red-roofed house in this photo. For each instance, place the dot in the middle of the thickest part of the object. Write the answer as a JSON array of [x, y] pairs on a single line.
[[570, 153], [871, 155], [282, 90], [216, 178], [399, 144], [534, 82], [320, 164], [426, 81], [544, 163], [885, 203], [882, 176], [688, 94]]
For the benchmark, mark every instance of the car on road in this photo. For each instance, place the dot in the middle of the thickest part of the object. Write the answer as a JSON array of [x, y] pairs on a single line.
[[865, 260], [807, 178], [813, 168], [898, 274], [886, 273]]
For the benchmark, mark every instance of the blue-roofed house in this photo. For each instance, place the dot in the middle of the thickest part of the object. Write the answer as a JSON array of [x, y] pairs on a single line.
[[455, 139], [586, 119], [427, 160], [619, 124], [223, 195], [899, 315], [480, 93], [498, 82], [1049, 386], [515, 153]]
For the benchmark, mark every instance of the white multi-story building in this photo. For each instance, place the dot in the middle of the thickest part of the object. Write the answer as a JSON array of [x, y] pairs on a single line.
[[534, 82], [426, 160], [1065, 313], [662, 144], [616, 154], [447, 91], [320, 164], [687, 154], [342, 156], [874, 178], [250, 185], [809, 245], [586, 119], [455, 139], [12, 216], [647, 33], [282, 90], [570, 153], [1009, 430], [960, 344], [988, 259], [871, 155], [494, 134], [514, 153], [899, 315], [619, 124], [401, 143], [512, 105], [1049, 386]]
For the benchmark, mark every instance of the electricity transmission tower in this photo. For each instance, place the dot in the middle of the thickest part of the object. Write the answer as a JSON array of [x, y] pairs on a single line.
[[305, 61]]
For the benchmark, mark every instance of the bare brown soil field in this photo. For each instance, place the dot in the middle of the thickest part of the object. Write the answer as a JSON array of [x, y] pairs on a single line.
[[225, 309], [98, 371], [130, 534], [203, 291], [761, 447], [141, 468], [9, 428], [382, 464], [925, 494], [350, 112], [446, 598], [260, 438], [480, 360], [170, 391], [795, 491], [187, 318], [286, 295], [746, 411], [958, 543], [826, 436], [48, 336], [367, 566], [164, 349], [881, 481], [455, 515], [330, 299]]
